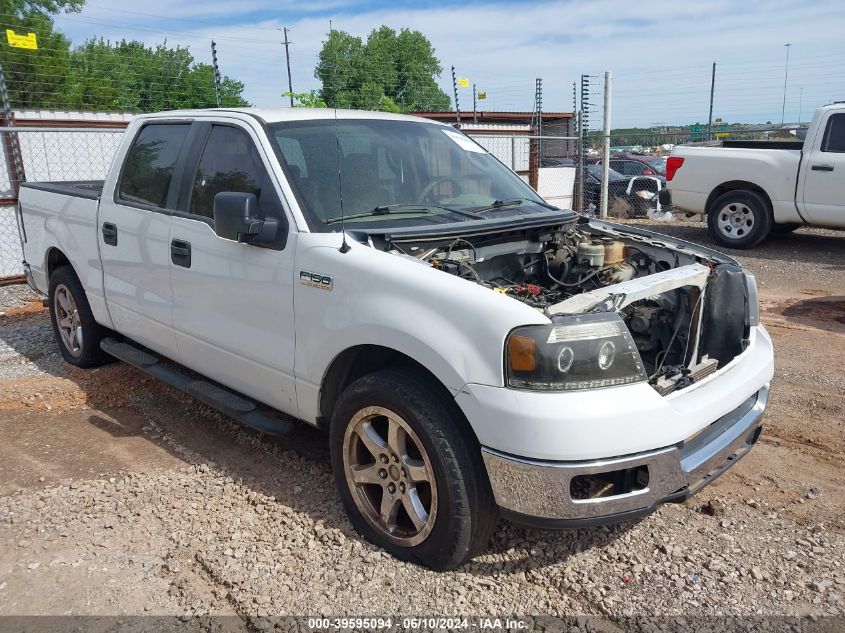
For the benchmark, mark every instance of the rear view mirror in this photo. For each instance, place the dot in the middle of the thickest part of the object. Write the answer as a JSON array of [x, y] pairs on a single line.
[[236, 217]]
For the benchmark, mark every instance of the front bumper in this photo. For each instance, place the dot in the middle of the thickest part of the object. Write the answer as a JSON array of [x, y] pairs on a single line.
[[546, 493]]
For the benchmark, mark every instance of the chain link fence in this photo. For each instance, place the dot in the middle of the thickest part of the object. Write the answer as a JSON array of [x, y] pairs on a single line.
[[69, 152], [547, 163]]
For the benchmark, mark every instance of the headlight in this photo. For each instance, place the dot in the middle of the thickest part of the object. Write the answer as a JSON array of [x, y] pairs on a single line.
[[587, 351]]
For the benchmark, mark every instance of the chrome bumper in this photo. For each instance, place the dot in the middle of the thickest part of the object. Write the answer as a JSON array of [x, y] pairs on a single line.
[[541, 492]]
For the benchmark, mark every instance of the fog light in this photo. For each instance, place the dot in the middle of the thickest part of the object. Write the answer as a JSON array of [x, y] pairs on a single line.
[[606, 355], [565, 359]]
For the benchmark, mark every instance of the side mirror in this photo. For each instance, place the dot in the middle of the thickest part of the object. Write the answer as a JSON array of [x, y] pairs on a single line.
[[236, 218]]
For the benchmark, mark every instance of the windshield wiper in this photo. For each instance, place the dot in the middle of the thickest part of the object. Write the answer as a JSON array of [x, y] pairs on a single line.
[[514, 202], [401, 208], [404, 209]]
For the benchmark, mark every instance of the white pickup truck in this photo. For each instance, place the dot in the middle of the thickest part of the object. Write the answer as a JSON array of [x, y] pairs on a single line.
[[749, 189], [470, 350]]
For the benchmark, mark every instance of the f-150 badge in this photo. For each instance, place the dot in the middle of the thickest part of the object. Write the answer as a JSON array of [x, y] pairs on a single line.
[[317, 280]]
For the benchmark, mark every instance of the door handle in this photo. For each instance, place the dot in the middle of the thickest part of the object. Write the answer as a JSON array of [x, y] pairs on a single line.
[[822, 167], [109, 234], [180, 253]]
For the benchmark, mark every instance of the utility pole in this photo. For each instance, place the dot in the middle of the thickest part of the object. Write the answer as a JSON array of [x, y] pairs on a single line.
[[474, 105], [216, 72], [710, 118], [785, 77], [605, 160], [455, 90], [287, 60]]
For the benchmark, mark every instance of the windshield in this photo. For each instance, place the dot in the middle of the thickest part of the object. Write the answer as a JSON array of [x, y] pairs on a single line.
[[394, 173], [595, 171]]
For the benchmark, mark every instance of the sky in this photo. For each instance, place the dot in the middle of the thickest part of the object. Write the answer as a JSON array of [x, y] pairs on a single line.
[[660, 53]]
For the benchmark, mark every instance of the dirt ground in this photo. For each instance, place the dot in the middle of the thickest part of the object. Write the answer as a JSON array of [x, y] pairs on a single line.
[[119, 495]]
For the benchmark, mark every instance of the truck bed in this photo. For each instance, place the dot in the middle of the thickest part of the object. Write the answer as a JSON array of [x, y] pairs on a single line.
[[90, 189], [750, 144]]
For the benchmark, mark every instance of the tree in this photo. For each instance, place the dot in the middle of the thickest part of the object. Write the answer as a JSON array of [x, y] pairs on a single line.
[[99, 75], [131, 76], [36, 78], [305, 99], [391, 72]]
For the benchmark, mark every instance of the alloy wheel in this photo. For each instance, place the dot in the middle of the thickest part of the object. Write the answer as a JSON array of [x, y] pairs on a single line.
[[67, 320], [390, 476]]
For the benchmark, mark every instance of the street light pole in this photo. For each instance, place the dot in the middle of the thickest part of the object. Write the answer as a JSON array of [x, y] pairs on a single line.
[[785, 77]]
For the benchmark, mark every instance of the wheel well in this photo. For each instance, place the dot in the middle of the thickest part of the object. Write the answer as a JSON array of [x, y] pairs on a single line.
[[55, 258], [360, 360], [736, 185]]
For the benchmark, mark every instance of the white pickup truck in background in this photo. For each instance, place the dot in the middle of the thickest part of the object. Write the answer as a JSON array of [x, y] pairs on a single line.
[[748, 189], [470, 350]]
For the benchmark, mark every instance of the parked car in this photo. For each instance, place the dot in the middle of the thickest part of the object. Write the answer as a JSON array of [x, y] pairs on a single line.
[[635, 164], [748, 189], [635, 167], [628, 196], [469, 350]]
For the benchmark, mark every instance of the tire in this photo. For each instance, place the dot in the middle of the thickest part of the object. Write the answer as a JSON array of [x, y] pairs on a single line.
[[788, 227], [455, 511], [72, 319], [739, 219]]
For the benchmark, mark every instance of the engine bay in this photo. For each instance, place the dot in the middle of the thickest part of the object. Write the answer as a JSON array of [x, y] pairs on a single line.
[[587, 268]]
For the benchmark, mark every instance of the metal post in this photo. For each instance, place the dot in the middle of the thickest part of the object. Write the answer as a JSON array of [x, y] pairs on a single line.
[[605, 158], [287, 61], [11, 142], [800, 105], [785, 77], [540, 118], [574, 113], [583, 130], [710, 118], [216, 72], [474, 105], [579, 169], [455, 89], [513, 153]]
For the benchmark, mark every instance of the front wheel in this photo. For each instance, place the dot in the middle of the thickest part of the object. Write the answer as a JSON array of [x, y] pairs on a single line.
[[739, 219], [409, 472], [74, 327]]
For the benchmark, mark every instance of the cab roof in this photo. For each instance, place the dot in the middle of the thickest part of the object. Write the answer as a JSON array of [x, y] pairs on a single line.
[[276, 115]]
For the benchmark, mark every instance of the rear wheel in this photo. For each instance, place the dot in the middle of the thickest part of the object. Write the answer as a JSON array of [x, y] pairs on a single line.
[[739, 219], [408, 471], [74, 327]]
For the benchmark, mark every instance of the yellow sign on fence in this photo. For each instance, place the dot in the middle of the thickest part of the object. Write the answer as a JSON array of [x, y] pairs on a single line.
[[463, 82], [482, 95], [22, 41]]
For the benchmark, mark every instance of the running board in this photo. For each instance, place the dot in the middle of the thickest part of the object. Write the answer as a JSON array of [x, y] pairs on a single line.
[[232, 404]]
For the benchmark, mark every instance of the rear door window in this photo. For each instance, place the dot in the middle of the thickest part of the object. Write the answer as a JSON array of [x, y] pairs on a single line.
[[834, 135], [150, 162]]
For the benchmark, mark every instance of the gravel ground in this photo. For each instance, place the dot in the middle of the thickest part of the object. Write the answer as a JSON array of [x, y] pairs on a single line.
[[119, 495]]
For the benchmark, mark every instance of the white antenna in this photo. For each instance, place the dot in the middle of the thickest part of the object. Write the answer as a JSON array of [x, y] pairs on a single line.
[[344, 248]]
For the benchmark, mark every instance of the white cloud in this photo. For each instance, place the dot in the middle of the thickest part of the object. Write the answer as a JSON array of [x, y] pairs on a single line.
[[660, 52]]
